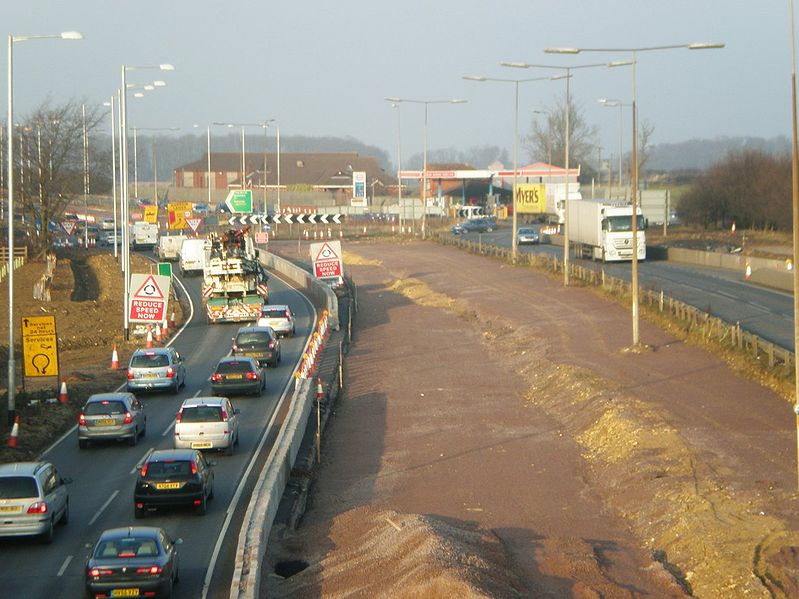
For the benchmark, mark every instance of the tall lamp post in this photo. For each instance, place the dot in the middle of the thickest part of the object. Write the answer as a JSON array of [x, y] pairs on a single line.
[[125, 179], [263, 124], [113, 169], [400, 207], [12, 39], [516, 82], [424, 154], [567, 76], [795, 210], [634, 192], [621, 105], [155, 167]]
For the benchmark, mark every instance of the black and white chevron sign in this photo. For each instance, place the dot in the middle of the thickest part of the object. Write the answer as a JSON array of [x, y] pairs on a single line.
[[301, 219]]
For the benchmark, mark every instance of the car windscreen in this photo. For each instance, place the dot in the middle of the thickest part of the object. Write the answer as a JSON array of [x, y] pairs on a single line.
[[168, 469], [126, 547], [149, 361], [274, 313], [201, 414], [17, 487], [237, 366], [253, 339], [104, 407]]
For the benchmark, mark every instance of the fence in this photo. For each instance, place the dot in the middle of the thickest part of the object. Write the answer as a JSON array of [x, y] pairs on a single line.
[[707, 326], [19, 257]]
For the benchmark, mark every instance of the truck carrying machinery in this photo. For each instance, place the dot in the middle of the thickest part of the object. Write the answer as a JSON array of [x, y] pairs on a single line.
[[234, 281], [602, 230]]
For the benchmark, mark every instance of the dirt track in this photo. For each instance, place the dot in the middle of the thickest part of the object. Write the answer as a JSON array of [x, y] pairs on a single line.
[[506, 409]]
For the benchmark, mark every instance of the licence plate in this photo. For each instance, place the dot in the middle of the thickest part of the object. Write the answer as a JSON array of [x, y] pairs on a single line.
[[125, 593], [105, 422], [202, 445], [233, 376], [10, 509], [167, 485], [151, 375]]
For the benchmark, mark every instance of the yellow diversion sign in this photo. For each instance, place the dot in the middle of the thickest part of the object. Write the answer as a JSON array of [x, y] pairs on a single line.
[[529, 198], [39, 346]]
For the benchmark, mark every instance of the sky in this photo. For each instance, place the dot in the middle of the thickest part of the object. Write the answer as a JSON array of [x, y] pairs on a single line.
[[322, 68]]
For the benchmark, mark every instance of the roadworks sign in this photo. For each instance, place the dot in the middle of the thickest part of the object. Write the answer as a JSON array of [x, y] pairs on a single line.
[[39, 346], [326, 258], [148, 298]]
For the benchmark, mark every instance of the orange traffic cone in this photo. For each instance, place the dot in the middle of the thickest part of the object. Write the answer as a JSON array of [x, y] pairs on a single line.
[[158, 332], [748, 271], [172, 321], [63, 397], [149, 342], [12, 440], [320, 392], [114, 358]]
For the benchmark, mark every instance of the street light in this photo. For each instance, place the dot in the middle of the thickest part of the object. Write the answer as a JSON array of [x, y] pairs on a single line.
[[263, 124], [621, 105], [113, 169], [125, 178], [516, 82], [634, 192], [155, 163], [400, 207], [795, 210], [66, 35], [424, 168], [567, 76]]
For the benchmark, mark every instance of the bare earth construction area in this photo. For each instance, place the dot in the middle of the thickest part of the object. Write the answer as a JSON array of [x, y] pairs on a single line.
[[495, 438]]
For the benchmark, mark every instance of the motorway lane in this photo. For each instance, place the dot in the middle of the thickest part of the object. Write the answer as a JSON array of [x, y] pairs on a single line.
[[104, 476], [766, 312]]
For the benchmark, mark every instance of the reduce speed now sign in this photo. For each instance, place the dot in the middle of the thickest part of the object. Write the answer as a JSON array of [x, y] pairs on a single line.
[[148, 299]]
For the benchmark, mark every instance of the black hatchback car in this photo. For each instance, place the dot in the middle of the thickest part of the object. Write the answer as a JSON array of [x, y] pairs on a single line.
[[260, 343], [136, 561], [475, 225], [234, 375], [174, 477]]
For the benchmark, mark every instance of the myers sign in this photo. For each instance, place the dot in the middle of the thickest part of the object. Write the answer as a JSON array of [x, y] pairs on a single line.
[[529, 198]]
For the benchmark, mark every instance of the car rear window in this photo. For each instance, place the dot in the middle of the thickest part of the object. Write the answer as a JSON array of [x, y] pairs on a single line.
[[149, 361], [168, 469], [253, 339], [104, 407], [127, 547], [201, 414], [17, 487], [274, 313], [237, 366]]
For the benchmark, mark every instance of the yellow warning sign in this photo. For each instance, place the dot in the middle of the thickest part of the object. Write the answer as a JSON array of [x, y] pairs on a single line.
[[150, 214], [178, 212], [39, 346]]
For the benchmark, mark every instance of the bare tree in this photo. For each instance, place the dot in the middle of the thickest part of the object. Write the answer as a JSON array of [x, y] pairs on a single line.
[[547, 139], [645, 132]]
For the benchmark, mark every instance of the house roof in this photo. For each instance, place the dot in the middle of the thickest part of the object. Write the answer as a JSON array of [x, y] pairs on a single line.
[[328, 170]]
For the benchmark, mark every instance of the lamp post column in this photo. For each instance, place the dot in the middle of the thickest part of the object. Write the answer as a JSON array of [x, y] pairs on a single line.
[[424, 176], [114, 175], [795, 206], [566, 193], [135, 164], [514, 240], [208, 152], [12, 411], [634, 275], [277, 130], [125, 207]]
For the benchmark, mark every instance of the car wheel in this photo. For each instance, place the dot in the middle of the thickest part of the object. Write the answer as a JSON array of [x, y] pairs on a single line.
[[202, 509], [175, 388], [139, 512], [489, 229], [65, 516], [132, 440], [144, 430], [83, 443], [168, 594], [47, 535], [177, 576], [231, 447]]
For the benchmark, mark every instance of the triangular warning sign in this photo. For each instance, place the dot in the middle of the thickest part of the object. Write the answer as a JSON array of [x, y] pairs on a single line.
[[194, 223], [69, 226], [149, 290], [326, 253]]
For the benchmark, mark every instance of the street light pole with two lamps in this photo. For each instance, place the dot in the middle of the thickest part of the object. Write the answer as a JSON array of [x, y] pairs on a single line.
[[634, 192], [12, 39], [612, 104], [424, 154]]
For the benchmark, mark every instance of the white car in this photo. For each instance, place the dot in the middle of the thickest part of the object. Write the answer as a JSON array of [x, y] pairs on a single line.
[[33, 499], [279, 317], [207, 423]]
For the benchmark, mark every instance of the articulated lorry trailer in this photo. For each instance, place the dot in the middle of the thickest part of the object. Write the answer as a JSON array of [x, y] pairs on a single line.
[[234, 281], [603, 230]]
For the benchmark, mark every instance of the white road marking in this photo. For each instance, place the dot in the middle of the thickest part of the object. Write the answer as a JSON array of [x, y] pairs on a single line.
[[169, 428], [759, 307], [64, 565], [102, 508], [142, 460], [725, 294]]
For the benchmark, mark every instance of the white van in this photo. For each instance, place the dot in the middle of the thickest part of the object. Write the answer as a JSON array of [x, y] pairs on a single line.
[[192, 255], [169, 247], [144, 235]]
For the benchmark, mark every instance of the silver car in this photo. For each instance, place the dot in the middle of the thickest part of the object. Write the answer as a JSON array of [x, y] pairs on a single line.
[[33, 499], [156, 369], [111, 416], [207, 423], [527, 235], [279, 317]]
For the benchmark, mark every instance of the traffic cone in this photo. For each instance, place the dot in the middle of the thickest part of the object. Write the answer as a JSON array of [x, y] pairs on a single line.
[[320, 392], [149, 343], [158, 332], [748, 271], [12, 440], [63, 397], [114, 358], [732, 229], [172, 320]]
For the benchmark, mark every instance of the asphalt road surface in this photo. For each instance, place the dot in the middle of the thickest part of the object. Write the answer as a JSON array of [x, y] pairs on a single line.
[[101, 494]]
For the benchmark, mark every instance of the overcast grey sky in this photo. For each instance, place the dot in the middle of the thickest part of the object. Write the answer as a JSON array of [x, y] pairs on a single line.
[[323, 68]]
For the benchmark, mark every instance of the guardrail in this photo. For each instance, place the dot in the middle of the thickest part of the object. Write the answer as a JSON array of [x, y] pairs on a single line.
[[706, 325], [19, 257]]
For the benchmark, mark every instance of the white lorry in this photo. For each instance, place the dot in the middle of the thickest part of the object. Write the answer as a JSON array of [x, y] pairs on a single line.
[[143, 235], [602, 230], [169, 247], [193, 253]]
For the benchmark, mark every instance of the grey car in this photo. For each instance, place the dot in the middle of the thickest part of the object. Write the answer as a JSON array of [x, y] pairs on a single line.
[[278, 316], [33, 499], [156, 369], [527, 235], [111, 417]]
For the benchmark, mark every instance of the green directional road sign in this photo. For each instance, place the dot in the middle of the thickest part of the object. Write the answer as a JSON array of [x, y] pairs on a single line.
[[239, 201], [165, 269]]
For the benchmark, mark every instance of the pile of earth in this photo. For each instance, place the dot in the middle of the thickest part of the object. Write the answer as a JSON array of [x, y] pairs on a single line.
[[86, 300]]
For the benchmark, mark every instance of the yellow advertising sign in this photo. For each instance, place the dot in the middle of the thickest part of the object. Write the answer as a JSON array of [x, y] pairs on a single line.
[[39, 346], [178, 212], [150, 214], [530, 198]]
